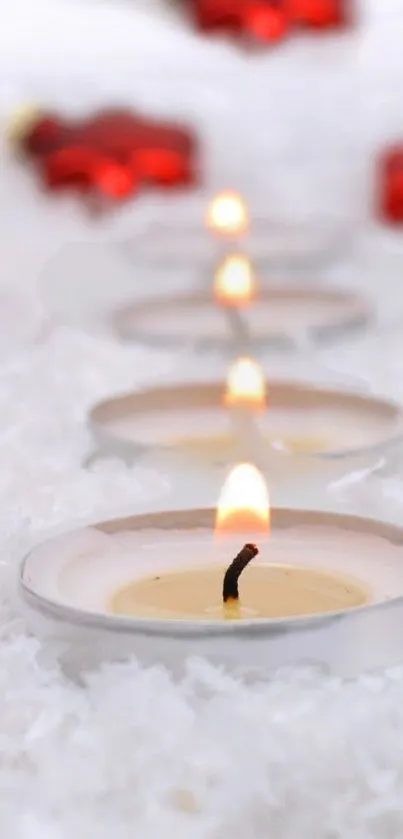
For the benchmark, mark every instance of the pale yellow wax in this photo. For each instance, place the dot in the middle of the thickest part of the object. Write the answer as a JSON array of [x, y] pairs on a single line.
[[266, 591], [225, 448]]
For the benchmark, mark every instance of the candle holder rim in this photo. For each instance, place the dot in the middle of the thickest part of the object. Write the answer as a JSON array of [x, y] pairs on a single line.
[[177, 628], [360, 314], [330, 234], [268, 291], [217, 387]]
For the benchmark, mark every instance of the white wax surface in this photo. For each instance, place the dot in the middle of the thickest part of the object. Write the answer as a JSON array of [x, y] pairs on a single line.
[[86, 568], [275, 316], [340, 428]]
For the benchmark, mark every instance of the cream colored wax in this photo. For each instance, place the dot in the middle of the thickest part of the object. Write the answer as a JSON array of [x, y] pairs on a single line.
[[266, 591], [226, 448], [206, 431]]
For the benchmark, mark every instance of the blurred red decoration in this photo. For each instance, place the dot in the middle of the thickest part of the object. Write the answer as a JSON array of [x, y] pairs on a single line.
[[269, 21], [390, 186], [262, 20], [320, 14], [113, 153], [211, 15], [266, 22]]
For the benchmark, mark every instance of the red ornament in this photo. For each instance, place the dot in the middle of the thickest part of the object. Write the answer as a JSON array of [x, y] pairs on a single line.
[[320, 14], [266, 22], [390, 186], [224, 15], [168, 167], [69, 167], [263, 20], [114, 179], [112, 153], [43, 135], [269, 20]]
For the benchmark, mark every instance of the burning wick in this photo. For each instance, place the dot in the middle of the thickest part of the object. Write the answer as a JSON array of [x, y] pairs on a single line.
[[230, 591], [246, 398], [235, 288], [243, 507]]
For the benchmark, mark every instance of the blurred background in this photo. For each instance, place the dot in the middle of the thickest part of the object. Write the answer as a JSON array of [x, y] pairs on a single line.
[[295, 123], [294, 119], [293, 105]]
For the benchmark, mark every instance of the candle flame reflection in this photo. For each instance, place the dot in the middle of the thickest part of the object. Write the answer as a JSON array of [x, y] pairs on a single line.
[[246, 385], [235, 283], [244, 505], [227, 214]]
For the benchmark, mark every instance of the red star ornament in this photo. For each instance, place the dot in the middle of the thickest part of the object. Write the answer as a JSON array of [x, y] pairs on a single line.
[[114, 152]]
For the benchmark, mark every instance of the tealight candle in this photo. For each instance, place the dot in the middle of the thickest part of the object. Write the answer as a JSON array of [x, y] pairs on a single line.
[[318, 588], [279, 316], [190, 576], [327, 432]]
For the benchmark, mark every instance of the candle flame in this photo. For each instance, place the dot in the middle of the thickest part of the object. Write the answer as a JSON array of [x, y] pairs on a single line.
[[235, 283], [227, 214], [244, 505], [246, 385]]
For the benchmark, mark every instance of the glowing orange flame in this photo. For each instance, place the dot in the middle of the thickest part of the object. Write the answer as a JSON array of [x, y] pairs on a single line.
[[246, 385], [244, 505], [235, 284], [227, 214]]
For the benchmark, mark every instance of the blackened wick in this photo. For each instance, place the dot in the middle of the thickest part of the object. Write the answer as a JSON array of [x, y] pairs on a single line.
[[233, 573]]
